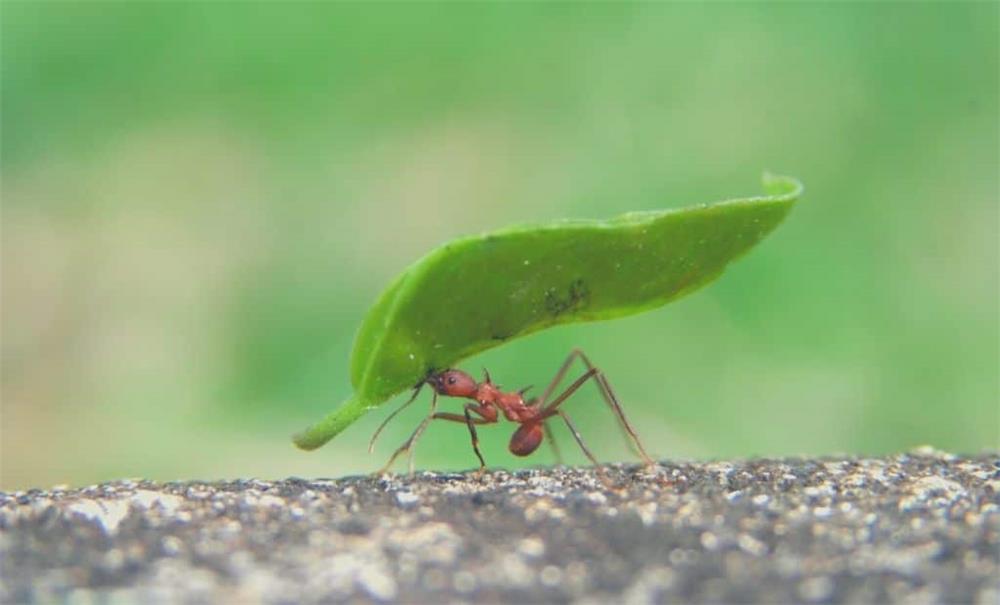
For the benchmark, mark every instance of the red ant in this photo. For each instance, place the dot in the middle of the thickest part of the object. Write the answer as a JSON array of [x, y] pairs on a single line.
[[489, 400]]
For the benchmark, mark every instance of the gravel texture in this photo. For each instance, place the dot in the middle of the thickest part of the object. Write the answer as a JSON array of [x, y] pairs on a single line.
[[923, 526]]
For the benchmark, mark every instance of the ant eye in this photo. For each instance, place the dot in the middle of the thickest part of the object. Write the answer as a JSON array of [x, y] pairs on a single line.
[[451, 380]]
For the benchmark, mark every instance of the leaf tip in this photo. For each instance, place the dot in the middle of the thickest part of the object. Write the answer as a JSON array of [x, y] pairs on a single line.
[[327, 428], [781, 185], [303, 442]]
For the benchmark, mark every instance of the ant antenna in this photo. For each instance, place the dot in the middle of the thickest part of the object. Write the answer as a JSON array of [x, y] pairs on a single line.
[[486, 376], [416, 391]]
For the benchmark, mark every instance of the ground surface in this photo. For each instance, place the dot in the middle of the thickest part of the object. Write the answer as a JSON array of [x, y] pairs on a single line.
[[923, 526]]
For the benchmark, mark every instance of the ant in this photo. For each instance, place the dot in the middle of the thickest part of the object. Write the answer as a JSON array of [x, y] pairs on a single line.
[[488, 400]]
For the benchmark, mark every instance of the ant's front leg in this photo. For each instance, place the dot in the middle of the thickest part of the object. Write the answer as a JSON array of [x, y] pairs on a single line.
[[408, 444], [416, 391]]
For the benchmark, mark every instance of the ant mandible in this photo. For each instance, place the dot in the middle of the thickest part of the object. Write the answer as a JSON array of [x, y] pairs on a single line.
[[488, 400]]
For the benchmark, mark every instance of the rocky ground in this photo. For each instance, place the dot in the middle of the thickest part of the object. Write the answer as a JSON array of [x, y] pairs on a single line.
[[923, 526]]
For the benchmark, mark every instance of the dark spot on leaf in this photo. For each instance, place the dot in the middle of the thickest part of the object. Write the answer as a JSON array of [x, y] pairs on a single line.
[[499, 332], [575, 297], [579, 293]]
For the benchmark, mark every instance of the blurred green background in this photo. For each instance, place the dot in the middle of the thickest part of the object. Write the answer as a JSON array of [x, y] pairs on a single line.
[[201, 200]]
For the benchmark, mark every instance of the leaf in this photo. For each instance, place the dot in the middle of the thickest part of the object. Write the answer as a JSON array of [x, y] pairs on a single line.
[[479, 292]]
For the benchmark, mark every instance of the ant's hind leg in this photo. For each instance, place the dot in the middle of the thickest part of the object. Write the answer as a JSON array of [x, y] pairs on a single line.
[[558, 378], [552, 442], [586, 451], [593, 372], [612, 400]]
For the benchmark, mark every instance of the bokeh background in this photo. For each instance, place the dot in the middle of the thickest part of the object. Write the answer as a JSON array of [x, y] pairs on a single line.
[[201, 200]]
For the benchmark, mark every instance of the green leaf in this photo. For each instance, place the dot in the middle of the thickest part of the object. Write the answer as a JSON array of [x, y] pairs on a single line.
[[478, 292]]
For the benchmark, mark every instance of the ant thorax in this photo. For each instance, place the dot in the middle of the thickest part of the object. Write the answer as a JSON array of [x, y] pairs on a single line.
[[514, 408], [488, 394]]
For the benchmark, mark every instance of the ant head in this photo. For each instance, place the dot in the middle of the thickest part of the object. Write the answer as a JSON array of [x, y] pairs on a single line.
[[453, 383]]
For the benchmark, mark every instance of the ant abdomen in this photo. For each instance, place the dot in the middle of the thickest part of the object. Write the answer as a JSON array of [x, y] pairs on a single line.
[[526, 439]]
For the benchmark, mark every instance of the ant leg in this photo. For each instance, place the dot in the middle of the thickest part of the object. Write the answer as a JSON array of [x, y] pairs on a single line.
[[583, 446], [539, 402], [408, 444], [471, 423], [560, 374], [475, 437], [416, 391], [552, 442], [606, 392]]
